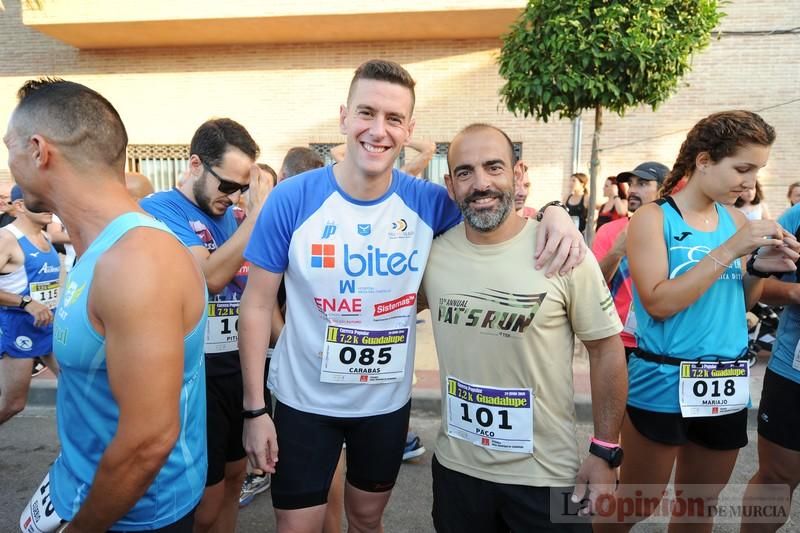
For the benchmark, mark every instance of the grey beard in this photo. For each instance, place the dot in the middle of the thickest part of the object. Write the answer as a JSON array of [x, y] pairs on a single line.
[[487, 220]]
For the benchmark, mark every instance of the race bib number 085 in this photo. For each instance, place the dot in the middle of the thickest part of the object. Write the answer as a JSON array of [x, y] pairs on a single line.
[[495, 418], [713, 388], [364, 356]]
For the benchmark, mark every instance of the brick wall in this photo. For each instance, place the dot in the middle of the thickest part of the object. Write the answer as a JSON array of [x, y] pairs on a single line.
[[290, 94]]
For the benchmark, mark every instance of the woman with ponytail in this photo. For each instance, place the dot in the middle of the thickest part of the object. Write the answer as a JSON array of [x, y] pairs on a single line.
[[688, 379]]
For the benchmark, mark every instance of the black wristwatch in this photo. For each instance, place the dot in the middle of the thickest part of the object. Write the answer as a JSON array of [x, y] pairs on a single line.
[[255, 413], [613, 456], [540, 214], [751, 268], [25, 301]]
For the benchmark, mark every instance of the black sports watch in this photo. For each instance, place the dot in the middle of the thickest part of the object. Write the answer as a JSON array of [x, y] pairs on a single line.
[[25, 301], [753, 271], [255, 413], [613, 456]]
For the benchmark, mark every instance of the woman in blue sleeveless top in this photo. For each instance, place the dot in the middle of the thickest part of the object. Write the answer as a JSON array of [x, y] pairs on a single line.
[[688, 389]]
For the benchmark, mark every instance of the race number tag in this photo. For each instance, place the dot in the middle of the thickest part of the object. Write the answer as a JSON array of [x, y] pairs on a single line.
[[494, 418], [364, 356], [45, 292], [222, 328], [39, 516], [714, 388]]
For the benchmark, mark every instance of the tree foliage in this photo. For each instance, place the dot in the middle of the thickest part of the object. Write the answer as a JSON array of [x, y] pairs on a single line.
[[564, 56]]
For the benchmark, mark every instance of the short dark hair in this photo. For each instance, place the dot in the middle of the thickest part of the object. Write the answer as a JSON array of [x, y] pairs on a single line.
[[269, 170], [756, 199], [72, 115], [478, 126], [383, 70], [213, 137], [300, 159]]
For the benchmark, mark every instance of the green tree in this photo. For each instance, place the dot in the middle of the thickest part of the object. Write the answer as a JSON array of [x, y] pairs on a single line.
[[566, 56]]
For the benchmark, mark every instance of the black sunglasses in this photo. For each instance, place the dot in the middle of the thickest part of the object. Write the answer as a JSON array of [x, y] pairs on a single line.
[[226, 186]]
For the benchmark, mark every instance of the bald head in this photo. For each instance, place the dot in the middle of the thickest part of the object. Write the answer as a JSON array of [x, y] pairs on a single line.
[[138, 185]]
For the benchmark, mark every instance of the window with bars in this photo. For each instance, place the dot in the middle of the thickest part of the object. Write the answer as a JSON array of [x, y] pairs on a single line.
[[164, 164]]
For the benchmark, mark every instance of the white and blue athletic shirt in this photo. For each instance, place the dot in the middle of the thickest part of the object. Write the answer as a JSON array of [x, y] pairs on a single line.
[[349, 263], [785, 360]]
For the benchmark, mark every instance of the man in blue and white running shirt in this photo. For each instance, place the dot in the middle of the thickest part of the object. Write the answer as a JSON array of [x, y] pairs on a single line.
[[200, 212], [29, 269], [352, 241], [128, 331]]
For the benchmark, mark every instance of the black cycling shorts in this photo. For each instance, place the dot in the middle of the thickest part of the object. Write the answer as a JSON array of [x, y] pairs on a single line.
[[726, 432], [309, 446]]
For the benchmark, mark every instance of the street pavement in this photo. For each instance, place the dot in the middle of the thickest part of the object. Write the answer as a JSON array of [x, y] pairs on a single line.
[[28, 444]]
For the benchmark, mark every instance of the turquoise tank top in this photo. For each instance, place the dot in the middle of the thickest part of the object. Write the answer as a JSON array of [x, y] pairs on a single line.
[[714, 327], [87, 413]]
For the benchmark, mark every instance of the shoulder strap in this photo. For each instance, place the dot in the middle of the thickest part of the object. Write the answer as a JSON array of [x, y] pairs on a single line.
[[669, 200], [15, 231]]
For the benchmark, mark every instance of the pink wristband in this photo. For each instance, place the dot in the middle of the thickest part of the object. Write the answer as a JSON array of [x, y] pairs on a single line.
[[604, 444]]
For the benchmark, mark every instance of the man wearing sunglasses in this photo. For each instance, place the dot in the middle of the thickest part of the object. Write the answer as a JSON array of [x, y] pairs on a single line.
[[221, 168]]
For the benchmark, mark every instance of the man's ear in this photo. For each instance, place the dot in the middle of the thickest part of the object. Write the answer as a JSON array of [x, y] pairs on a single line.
[[343, 119], [40, 151], [411, 124]]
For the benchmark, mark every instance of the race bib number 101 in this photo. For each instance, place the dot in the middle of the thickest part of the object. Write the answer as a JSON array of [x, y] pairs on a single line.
[[364, 356], [495, 418], [713, 388]]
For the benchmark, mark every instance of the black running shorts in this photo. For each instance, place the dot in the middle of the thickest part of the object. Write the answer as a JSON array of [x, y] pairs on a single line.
[[726, 432], [309, 446], [778, 414]]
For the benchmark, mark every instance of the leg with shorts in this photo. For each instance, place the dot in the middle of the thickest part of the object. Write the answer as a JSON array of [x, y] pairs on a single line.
[[20, 343], [466, 503], [226, 456], [703, 451], [184, 525], [778, 472], [310, 447]]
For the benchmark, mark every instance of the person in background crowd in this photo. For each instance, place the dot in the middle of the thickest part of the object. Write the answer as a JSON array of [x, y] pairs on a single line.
[[221, 168], [616, 205], [778, 413], [138, 185], [609, 244], [6, 209], [522, 186], [751, 203], [297, 160], [128, 331], [793, 194], [29, 285], [577, 201]]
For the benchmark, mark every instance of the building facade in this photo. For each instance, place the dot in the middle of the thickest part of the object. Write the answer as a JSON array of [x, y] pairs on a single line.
[[282, 69]]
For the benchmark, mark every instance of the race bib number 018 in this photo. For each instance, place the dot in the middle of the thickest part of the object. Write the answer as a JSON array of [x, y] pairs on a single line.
[[713, 388], [222, 328], [39, 516], [494, 418], [45, 292], [364, 356]]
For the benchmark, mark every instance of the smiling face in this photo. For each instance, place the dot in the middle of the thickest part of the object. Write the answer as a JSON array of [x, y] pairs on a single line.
[[377, 122], [481, 180]]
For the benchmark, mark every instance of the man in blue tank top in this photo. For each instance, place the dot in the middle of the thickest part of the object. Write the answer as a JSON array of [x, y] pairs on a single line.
[[128, 333], [200, 212], [29, 269]]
